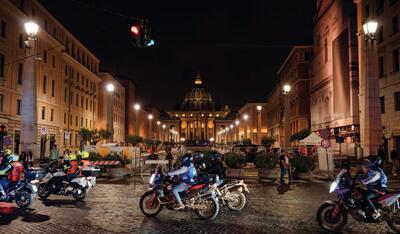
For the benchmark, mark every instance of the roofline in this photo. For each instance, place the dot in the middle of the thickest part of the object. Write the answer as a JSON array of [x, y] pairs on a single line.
[[250, 104], [291, 53]]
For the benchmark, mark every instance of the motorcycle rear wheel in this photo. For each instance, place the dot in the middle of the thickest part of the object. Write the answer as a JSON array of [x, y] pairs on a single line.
[[210, 212], [154, 209], [43, 191], [394, 222], [239, 201], [79, 193], [24, 199], [327, 222]]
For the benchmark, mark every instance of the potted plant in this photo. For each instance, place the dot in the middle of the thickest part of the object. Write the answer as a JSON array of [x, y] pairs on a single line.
[[302, 166], [234, 162], [266, 164]]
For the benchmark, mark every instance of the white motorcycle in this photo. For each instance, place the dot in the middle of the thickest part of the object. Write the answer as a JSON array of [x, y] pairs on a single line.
[[58, 183]]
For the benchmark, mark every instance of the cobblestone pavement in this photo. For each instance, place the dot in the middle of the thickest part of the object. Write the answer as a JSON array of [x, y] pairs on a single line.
[[113, 208]]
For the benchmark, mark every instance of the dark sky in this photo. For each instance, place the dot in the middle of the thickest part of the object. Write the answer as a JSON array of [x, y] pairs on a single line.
[[237, 46]]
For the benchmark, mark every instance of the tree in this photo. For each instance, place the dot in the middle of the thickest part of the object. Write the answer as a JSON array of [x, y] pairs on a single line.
[[93, 136], [85, 135], [300, 135], [267, 141], [134, 139]]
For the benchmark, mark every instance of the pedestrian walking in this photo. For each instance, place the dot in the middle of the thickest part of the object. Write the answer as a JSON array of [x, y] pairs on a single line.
[[394, 155], [169, 157], [382, 156], [30, 158], [282, 165], [54, 153]]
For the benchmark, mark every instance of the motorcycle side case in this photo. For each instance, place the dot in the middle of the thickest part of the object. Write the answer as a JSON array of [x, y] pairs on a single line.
[[81, 181]]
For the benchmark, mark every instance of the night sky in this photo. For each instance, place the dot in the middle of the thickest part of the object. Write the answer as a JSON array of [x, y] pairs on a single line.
[[237, 46]]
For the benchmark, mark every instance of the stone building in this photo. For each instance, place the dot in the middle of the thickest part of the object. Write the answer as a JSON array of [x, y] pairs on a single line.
[[254, 126], [295, 71], [387, 14], [199, 116], [64, 72], [112, 107], [334, 76], [274, 111]]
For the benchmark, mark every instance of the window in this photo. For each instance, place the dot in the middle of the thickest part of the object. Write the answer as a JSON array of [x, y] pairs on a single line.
[[54, 32], [65, 95], [91, 105], [87, 83], [46, 24], [366, 11], [395, 24], [66, 70], [71, 96], [379, 7], [20, 73], [81, 122], [2, 65], [397, 101], [326, 49], [52, 115], [77, 121], [53, 62], [381, 67], [395, 59], [3, 29], [70, 120], [1, 102], [45, 56], [33, 12], [76, 139], [53, 87], [65, 118], [43, 113], [77, 99], [44, 84], [82, 102], [21, 42], [19, 104], [22, 5], [83, 81], [307, 56], [86, 121], [87, 102], [380, 34], [382, 99]]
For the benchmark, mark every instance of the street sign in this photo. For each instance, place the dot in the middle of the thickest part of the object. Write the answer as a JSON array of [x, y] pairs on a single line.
[[325, 133], [43, 131], [326, 143], [66, 135]]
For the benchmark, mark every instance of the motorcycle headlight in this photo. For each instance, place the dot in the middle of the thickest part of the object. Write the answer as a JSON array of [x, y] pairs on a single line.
[[152, 178], [333, 186]]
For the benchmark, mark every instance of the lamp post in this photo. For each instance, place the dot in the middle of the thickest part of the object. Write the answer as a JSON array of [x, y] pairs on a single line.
[[137, 109], [29, 99], [162, 132], [158, 130], [237, 122], [370, 115], [150, 117], [110, 121], [227, 134], [245, 117], [286, 107], [259, 108]]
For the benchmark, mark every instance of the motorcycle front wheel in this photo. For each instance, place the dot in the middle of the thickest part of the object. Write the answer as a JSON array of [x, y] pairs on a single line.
[[24, 199], [79, 193], [210, 210], [237, 201], [43, 191], [149, 204], [329, 223]]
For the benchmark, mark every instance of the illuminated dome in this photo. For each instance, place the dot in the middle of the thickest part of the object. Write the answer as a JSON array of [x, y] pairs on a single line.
[[198, 99]]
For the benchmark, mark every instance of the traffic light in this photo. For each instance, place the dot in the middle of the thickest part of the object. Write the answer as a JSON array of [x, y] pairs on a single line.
[[141, 35]]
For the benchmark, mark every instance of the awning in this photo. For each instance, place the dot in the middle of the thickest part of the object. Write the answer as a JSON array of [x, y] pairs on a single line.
[[312, 139]]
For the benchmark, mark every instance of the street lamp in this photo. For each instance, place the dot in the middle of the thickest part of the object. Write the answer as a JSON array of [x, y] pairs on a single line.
[[259, 108], [137, 108], [29, 99], [286, 88], [237, 122], [110, 89], [150, 117], [369, 28], [245, 117]]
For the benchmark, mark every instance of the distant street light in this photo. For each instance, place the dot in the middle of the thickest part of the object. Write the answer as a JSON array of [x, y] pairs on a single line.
[[137, 108], [110, 89], [158, 130], [259, 108], [286, 88], [245, 117], [150, 117]]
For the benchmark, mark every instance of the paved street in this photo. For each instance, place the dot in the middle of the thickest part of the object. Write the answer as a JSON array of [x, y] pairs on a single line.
[[113, 208]]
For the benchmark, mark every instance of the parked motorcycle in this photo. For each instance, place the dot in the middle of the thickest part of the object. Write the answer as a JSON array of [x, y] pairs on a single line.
[[58, 183], [333, 215], [200, 197], [22, 192], [232, 194]]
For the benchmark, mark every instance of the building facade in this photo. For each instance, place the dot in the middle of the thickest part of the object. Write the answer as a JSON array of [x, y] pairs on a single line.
[[275, 112], [252, 123], [387, 39], [295, 72], [65, 77], [334, 75], [198, 114], [112, 107]]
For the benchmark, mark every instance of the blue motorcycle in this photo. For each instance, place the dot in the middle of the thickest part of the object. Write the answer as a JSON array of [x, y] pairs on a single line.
[[23, 192]]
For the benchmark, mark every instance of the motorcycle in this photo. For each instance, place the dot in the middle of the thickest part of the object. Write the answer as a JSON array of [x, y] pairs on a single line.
[[58, 183], [23, 192], [200, 197], [333, 215]]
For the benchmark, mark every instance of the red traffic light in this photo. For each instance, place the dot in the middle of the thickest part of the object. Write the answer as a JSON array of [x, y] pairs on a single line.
[[135, 29]]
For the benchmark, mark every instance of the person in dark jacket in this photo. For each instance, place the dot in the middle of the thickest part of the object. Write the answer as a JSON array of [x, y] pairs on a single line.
[[394, 155]]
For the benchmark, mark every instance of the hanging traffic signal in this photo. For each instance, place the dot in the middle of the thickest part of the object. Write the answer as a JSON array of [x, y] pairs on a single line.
[[141, 35]]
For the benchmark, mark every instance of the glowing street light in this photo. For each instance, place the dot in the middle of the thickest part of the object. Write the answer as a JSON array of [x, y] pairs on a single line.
[[158, 122], [150, 116], [110, 88], [245, 116], [136, 106], [237, 122], [286, 88], [369, 28], [259, 108], [31, 28]]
